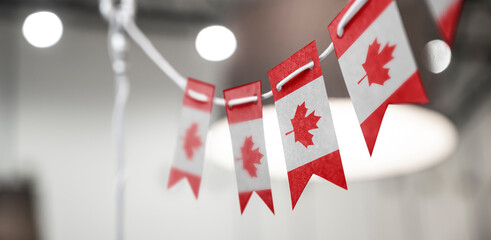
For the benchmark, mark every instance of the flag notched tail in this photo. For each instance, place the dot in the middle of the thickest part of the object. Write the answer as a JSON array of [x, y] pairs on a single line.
[[177, 175], [265, 195], [328, 167]]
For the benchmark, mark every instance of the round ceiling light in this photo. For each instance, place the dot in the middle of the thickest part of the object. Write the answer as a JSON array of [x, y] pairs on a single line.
[[42, 29], [215, 43], [411, 138]]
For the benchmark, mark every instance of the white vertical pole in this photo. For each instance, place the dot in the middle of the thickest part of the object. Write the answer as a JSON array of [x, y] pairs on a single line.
[[117, 49]]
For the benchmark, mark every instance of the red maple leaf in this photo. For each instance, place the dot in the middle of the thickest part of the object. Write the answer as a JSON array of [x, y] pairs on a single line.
[[192, 141], [303, 124], [375, 62], [250, 157]]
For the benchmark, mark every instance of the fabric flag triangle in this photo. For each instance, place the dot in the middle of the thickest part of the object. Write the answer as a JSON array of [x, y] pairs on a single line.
[[446, 14], [306, 126], [247, 133], [377, 63], [190, 147]]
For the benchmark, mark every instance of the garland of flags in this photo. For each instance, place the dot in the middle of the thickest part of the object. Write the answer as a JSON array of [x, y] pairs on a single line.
[[378, 68]]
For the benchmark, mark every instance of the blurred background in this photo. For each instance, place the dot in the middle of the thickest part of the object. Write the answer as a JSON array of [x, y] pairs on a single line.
[[57, 154]]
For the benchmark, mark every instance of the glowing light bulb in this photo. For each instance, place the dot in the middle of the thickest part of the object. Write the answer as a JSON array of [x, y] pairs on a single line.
[[42, 29], [215, 43], [437, 56]]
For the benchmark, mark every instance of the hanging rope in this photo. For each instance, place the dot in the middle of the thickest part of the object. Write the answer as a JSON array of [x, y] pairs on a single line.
[[149, 49], [350, 13]]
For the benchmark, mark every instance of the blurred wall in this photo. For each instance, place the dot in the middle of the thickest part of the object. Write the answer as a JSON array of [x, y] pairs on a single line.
[[8, 61]]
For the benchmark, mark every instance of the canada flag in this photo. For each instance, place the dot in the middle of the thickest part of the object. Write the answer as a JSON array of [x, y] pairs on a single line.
[[306, 126], [247, 132], [190, 147], [446, 14], [377, 63]]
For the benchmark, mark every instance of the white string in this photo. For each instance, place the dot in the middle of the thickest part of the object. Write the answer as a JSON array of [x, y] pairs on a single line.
[[244, 100], [197, 96], [267, 95], [350, 13], [149, 49], [137, 35], [219, 101], [326, 52], [309, 65]]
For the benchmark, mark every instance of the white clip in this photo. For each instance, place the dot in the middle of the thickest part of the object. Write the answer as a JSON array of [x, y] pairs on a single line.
[[197, 96], [244, 100], [357, 5], [309, 65]]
